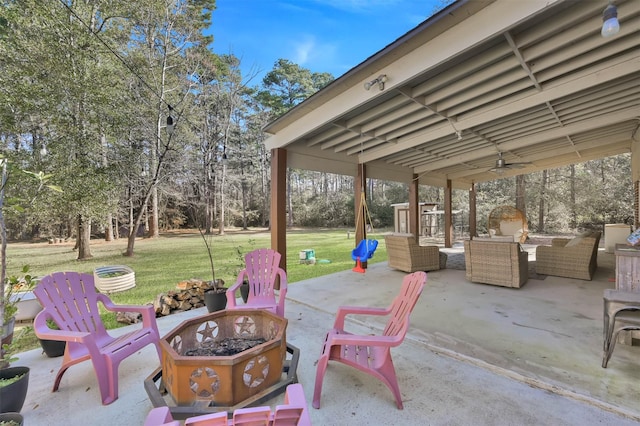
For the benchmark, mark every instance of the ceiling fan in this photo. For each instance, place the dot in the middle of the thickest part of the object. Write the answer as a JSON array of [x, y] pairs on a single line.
[[502, 165]]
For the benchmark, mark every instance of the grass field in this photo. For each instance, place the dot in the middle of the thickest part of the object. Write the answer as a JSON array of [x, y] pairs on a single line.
[[161, 263]]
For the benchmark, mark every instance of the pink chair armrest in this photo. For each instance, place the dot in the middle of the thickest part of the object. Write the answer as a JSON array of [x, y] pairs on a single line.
[[43, 331], [350, 339], [231, 291], [238, 282], [282, 292], [110, 306], [343, 311], [147, 311]]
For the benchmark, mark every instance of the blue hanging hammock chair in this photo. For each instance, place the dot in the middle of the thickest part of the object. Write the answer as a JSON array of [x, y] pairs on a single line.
[[365, 248]]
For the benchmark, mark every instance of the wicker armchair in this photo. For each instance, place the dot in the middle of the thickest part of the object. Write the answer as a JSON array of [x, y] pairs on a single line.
[[406, 255], [500, 263], [571, 258]]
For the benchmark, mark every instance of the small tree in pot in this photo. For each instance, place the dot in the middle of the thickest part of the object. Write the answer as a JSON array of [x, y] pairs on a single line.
[[15, 379], [244, 288], [215, 298], [8, 307]]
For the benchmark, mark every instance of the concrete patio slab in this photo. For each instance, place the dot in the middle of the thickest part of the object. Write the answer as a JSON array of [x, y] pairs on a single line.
[[475, 354]]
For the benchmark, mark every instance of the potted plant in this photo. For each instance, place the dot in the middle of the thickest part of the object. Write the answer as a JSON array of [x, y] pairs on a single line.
[[53, 348], [11, 419], [14, 381], [244, 288], [215, 297], [14, 287]]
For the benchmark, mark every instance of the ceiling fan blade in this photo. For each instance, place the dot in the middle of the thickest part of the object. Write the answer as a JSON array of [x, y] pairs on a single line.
[[516, 165]]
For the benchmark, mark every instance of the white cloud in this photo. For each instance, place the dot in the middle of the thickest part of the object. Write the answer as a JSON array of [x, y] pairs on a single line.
[[309, 53], [303, 49]]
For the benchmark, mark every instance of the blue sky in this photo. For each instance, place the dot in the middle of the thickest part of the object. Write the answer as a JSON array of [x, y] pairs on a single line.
[[321, 35]]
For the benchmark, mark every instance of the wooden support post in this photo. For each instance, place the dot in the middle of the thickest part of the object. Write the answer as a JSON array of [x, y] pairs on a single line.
[[448, 216], [414, 209], [278, 205], [473, 229]]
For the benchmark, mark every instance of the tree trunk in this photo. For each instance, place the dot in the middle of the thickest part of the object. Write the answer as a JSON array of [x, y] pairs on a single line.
[[266, 199], [108, 231], [154, 231], [289, 201], [243, 183], [521, 196], [572, 196], [84, 237], [3, 236], [208, 205], [222, 207], [543, 196]]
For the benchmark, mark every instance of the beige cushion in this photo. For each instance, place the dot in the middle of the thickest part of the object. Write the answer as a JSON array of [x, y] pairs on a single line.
[[511, 228]]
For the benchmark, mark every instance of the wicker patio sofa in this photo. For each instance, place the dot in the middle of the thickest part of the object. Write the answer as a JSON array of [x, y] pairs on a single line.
[[407, 255], [500, 263], [570, 258]]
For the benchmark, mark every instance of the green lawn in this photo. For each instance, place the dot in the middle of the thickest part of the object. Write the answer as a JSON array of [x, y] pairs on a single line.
[[161, 263]]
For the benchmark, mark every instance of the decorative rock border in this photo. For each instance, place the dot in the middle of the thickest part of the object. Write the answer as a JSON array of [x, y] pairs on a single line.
[[111, 279]]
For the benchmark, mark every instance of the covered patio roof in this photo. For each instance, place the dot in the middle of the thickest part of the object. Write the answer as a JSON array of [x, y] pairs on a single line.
[[533, 80]]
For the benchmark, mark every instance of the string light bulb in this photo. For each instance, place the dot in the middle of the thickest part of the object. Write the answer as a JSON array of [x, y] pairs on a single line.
[[610, 24]]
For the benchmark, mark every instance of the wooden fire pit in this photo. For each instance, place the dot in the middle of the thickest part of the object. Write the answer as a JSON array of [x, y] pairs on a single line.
[[223, 380]]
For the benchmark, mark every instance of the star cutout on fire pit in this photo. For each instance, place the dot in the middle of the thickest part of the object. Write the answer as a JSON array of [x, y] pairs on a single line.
[[167, 372], [176, 344], [245, 325], [256, 371], [204, 382], [207, 331], [273, 330]]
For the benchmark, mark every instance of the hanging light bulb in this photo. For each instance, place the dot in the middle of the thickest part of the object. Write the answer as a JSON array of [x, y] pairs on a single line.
[[610, 25]]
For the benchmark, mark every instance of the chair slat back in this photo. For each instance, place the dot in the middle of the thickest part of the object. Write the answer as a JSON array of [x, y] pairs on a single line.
[[256, 416], [72, 301], [404, 303], [262, 267], [287, 416]]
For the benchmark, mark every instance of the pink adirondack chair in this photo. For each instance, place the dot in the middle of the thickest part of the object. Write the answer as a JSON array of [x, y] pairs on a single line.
[[261, 270], [371, 354], [70, 299], [293, 412], [216, 419]]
